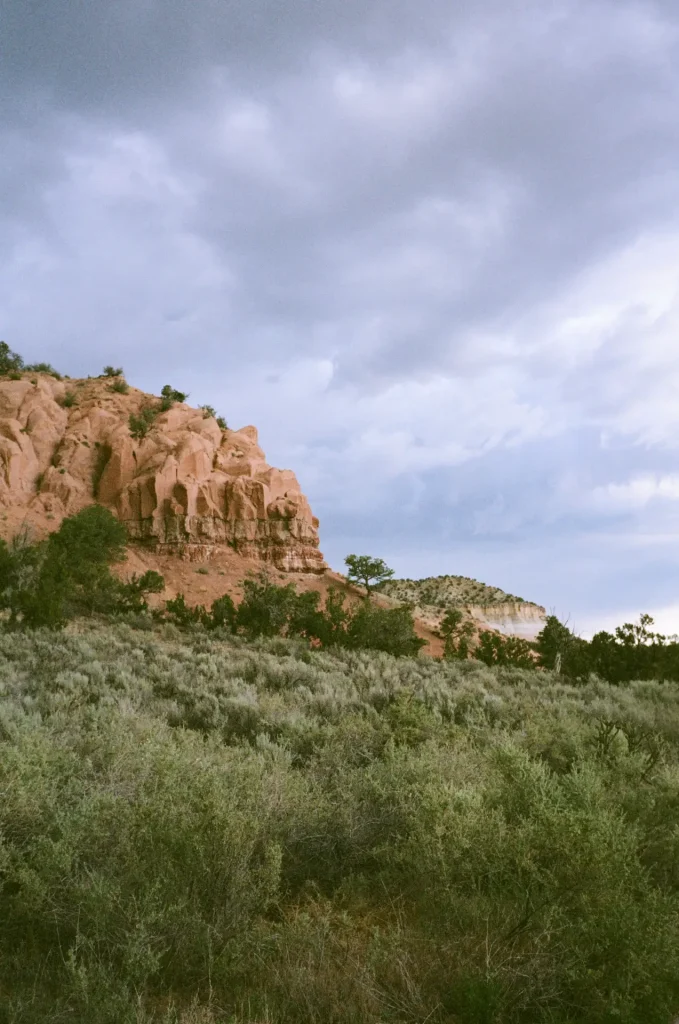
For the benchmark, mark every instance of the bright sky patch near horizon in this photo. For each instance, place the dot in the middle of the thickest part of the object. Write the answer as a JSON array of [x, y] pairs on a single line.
[[430, 250]]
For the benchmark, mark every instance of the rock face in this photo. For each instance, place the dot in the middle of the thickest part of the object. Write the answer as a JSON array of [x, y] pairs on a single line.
[[187, 487], [511, 618]]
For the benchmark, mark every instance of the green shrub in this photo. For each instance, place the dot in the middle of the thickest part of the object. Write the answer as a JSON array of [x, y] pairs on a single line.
[[198, 830], [378, 629], [119, 387], [632, 651], [456, 633], [68, 574], [221, 422], [169, 396], [43, 368], [10, 362], [68, 400], [495, 649], [112, 371], [131, 597], [208, 411], [140, 424], [265, 608], [183, 614], [223, 614]]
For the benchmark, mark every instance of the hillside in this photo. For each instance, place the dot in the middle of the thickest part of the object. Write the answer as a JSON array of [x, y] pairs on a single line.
[[200, 503], [489, 607]]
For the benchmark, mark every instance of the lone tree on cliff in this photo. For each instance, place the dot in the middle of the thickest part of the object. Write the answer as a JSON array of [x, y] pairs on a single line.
[[367, 571]]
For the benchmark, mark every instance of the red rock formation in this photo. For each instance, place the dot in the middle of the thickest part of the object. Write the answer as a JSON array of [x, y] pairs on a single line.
[[188, 487]]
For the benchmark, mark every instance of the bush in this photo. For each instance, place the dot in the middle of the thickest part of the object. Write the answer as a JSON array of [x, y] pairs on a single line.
[[268, 610], [265, 608], [66, 575], [456, 633], [223, 614], [495, 649], [221, 422], [43, 368], [208, 411], [182, 614], [633, 651], [169, 396], [68, 400], [140, 424], [209, 831], [119, 387], [378, 629], [10, 362], [112, 371], [132, 595]]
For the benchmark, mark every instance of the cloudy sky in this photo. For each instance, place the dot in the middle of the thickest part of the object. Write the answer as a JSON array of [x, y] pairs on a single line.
[[430, 249]]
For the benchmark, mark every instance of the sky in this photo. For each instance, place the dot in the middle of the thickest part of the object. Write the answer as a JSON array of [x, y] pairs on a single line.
[[430, 250]]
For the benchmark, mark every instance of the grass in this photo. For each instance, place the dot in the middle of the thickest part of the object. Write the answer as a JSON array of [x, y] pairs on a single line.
[[198, 830]]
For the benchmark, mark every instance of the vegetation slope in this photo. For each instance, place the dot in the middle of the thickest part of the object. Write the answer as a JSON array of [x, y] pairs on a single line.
[[198, 829], [443, 592]]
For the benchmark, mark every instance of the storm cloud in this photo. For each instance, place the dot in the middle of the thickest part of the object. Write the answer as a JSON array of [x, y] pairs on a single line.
[[430, 250]]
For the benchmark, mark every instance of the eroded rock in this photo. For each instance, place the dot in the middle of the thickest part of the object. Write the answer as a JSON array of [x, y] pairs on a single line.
[[188, 487]]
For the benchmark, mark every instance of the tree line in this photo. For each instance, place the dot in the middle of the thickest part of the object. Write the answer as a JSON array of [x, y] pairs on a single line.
[[69, 574]]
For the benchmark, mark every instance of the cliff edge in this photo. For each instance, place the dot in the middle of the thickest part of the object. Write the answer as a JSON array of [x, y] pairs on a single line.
[[182, 483]]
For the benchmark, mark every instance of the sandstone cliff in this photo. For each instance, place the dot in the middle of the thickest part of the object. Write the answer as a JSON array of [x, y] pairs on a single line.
[[513, 618], [188, 487]]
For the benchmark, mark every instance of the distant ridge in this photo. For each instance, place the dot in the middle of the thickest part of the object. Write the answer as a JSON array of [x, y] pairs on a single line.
[[489, 607]]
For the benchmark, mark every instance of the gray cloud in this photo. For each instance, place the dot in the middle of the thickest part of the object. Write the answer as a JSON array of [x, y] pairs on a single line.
[[425, 248]]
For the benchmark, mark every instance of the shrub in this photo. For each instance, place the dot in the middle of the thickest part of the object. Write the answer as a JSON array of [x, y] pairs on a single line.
[[206, 830], [68, 400], [265, 608], [560, 650], [43, 368], [456, 634], [183, 614], [66, 575], [120, 386], [633, 651], [223, 614], [208, 411], [210, 831], [132, 595], [390, 630], [495, 649], [10, 362], [221, 422], [112, 371], [140, 424], [169, 396]]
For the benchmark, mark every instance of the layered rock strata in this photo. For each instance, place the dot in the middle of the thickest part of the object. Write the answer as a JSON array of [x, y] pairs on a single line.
[[187, 487]]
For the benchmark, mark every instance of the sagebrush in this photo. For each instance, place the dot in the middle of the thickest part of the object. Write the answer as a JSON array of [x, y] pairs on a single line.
[[198, 828]]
